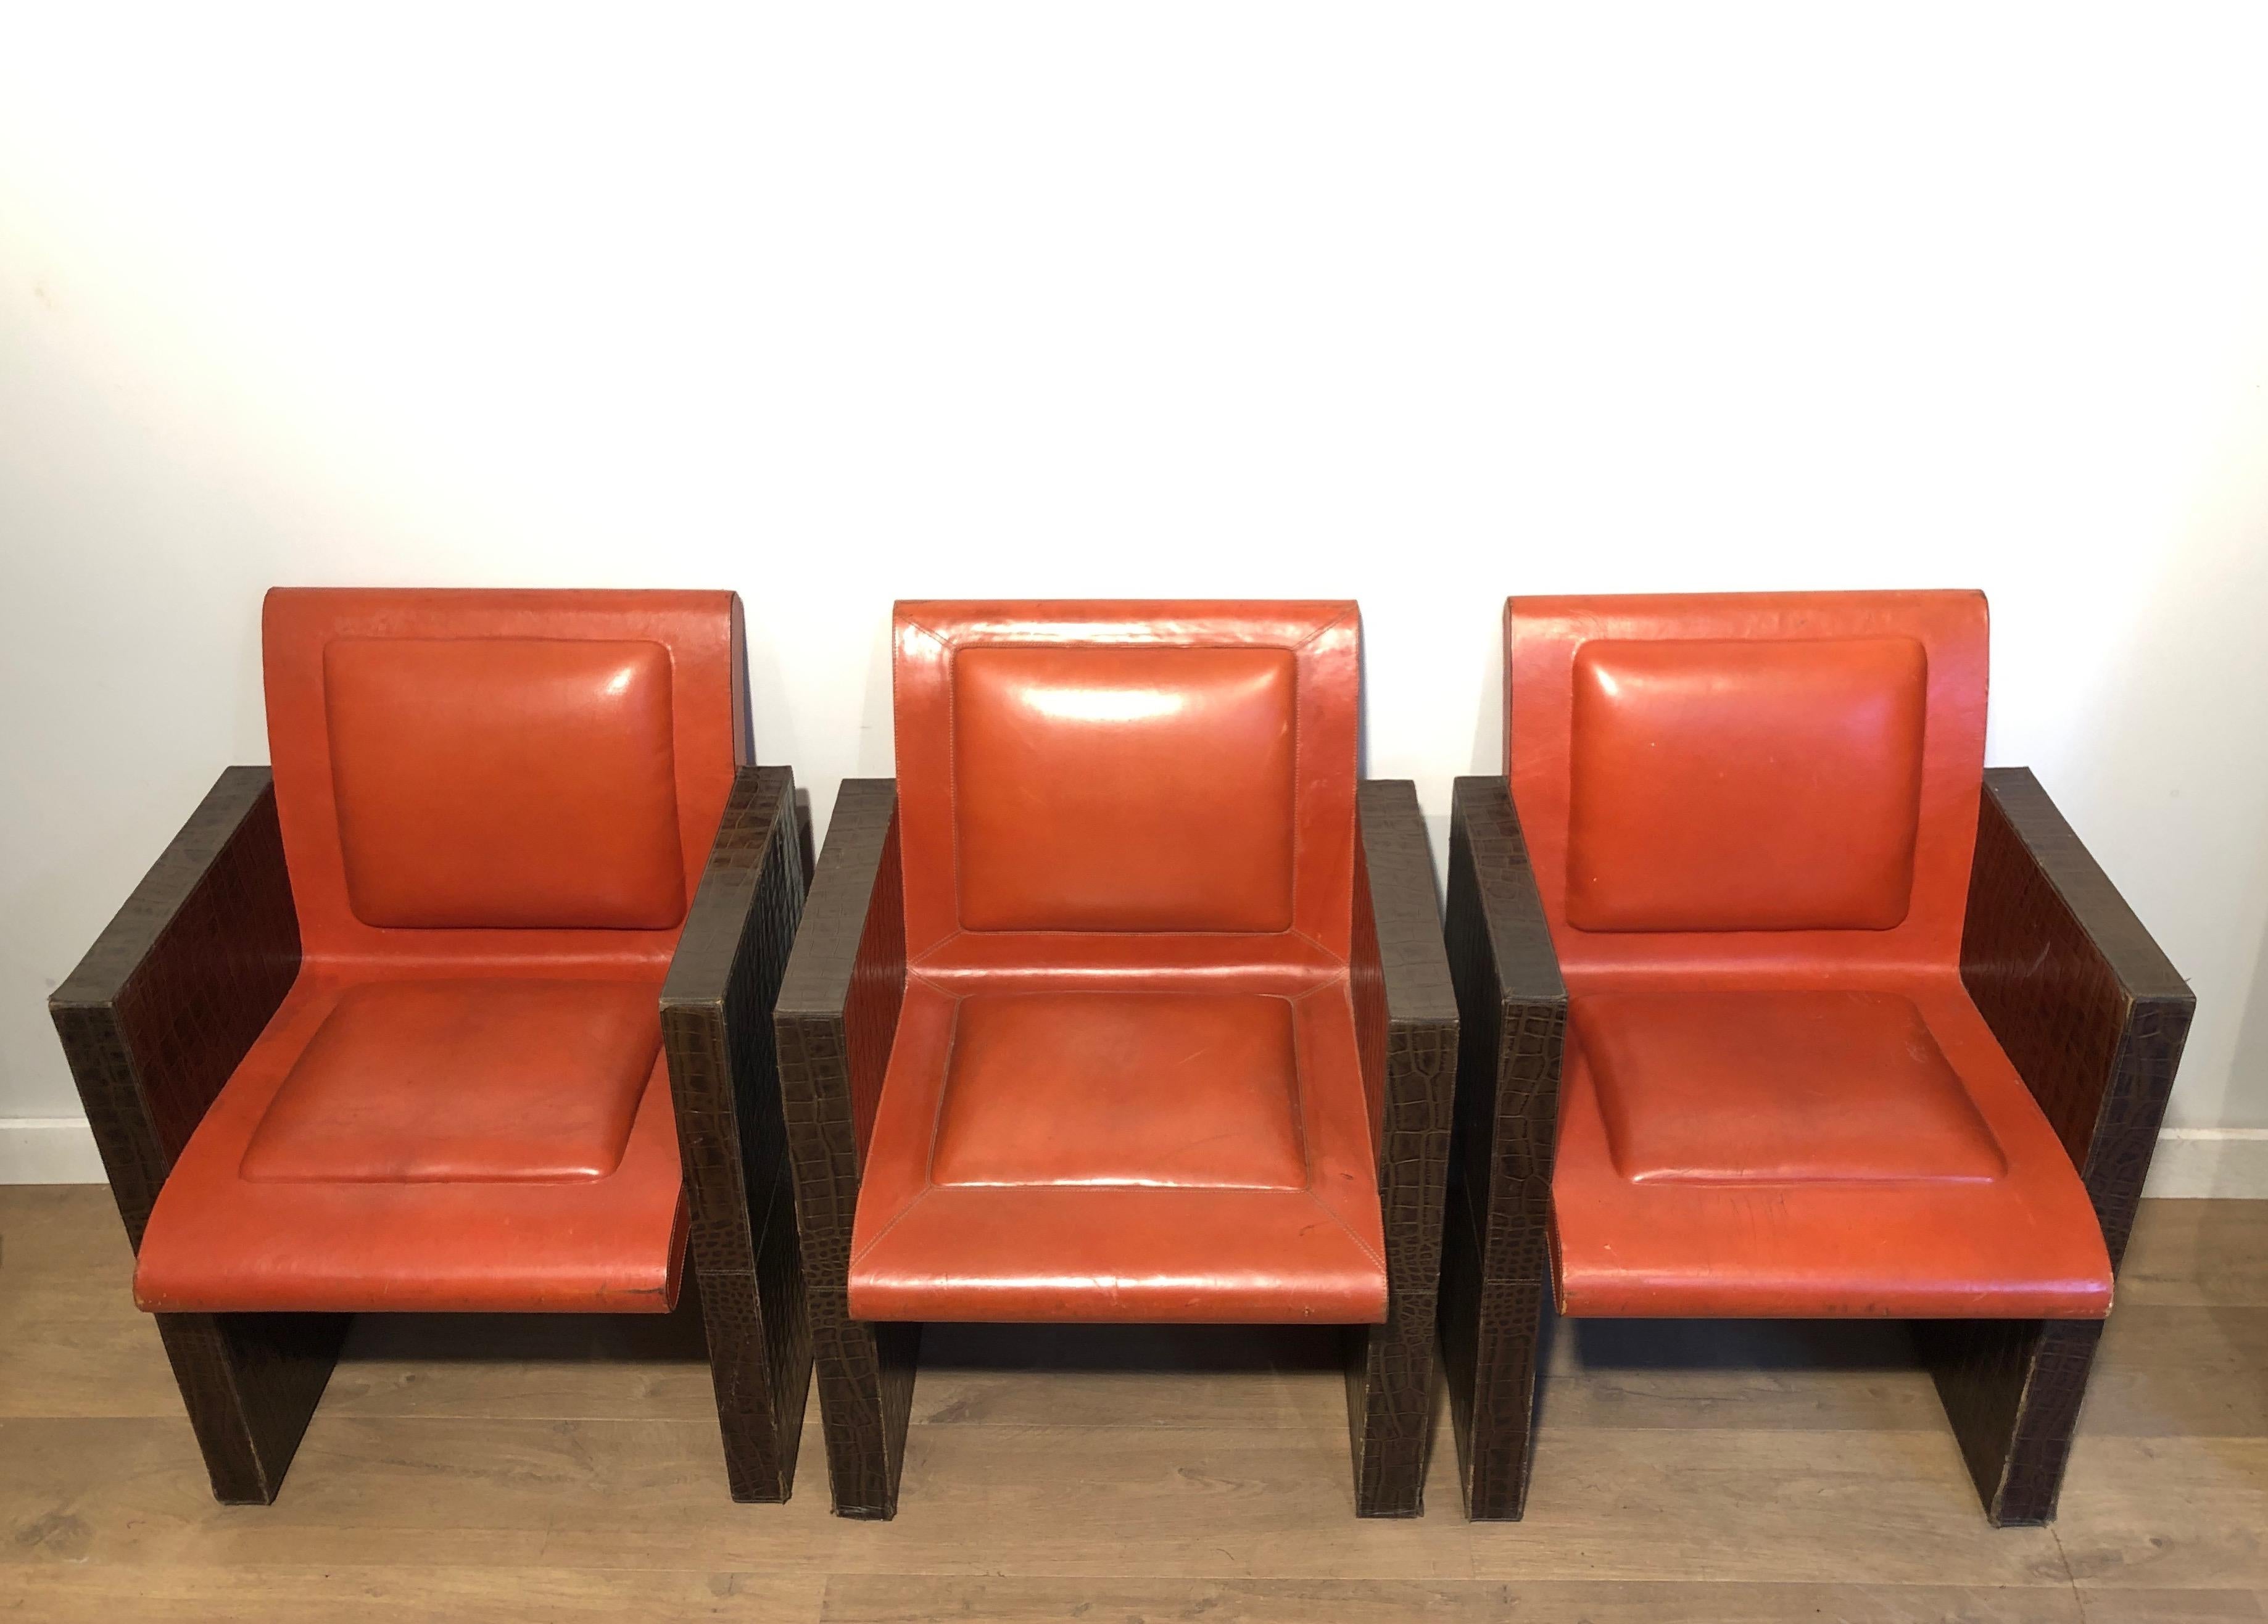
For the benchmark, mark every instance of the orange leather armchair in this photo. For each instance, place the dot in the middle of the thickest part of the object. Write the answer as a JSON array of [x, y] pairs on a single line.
[[1125, 1002], [462, 1007], [1777, 1004]]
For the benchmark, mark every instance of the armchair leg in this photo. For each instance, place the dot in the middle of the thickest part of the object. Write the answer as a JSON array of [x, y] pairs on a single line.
[[2012, 1389], [1390, 1409], [250, 1383], [1491, 1333], [866, 1398], [759, 1362]]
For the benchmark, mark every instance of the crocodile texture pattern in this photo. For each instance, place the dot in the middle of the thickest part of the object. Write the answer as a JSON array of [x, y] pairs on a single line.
[[835, 1021], [2085, 1004], [2094, 1016], [716, 1007], [1512, 1007], [1406, 1025], [165, 1003], [154, 1020]]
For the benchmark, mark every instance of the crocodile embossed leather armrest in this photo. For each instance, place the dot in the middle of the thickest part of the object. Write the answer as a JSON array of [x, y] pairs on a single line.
[[2084, 1002], [834, 1022], [732, 1139], [1494, 1268], [178, 985], [1515, 1010], [1406, 1024]]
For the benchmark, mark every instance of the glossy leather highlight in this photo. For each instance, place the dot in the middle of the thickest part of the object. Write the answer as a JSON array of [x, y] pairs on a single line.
[[1723, 784], [1125, 1083], [521, 782], [470, 1111], [1073, 768], [1751, 818]]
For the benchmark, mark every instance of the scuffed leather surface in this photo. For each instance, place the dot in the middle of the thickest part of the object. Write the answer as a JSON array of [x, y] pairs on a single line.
[[462, 1081], [715, 1021], [1082, 1235], [2023, 1242], [220, 1242], [1791, 1087], [1176, 1090]]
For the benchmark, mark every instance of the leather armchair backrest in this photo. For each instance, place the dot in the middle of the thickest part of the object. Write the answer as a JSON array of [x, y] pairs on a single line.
[[1127, 780], [500, 775], [1748, 780]]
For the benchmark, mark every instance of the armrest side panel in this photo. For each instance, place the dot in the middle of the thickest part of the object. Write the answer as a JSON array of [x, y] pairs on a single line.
[[716, 1023], [1509, 984], [1496, 1264], [715, 1013], [834, 1022], [2090, 1010], [1406, 1026], [174, 992]]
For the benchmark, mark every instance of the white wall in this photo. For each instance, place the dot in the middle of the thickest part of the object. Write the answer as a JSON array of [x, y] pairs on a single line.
[[1415, 305]]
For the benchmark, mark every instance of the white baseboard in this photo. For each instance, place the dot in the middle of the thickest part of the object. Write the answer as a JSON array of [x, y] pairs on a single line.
[[48, 1150], [2227, 1163]]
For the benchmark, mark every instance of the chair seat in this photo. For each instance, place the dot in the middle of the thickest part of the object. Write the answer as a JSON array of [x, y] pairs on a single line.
[[453, 1142], [1811, 1152], [1055, 1153]]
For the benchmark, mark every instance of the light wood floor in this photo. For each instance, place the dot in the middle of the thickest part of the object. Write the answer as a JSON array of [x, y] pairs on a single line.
[[564, 1469]]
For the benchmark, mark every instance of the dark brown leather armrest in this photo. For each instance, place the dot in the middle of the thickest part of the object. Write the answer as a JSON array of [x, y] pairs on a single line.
[[836, 1018], [1405, 1008], [1406, 1026], [171, 995], [716, 1008], [1514, 1009], [2085, 1004], [838, 1007], [732, 1136]]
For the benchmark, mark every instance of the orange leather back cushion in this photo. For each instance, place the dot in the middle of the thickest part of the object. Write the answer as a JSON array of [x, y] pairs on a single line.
[[1748, 781], [506, 782], [1162, 783], [1124, 789], [1728, 785]]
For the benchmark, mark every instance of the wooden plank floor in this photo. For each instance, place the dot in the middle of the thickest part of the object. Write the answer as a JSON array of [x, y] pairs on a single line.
[[494, 1469]]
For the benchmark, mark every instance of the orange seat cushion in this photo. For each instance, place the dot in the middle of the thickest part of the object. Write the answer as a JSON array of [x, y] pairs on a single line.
[[450, 1081], [1779, 1087], [1122, 1154], [1727, 785], [1177, 1089], [1786, 1151], [521, 782], [447, 1143]]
